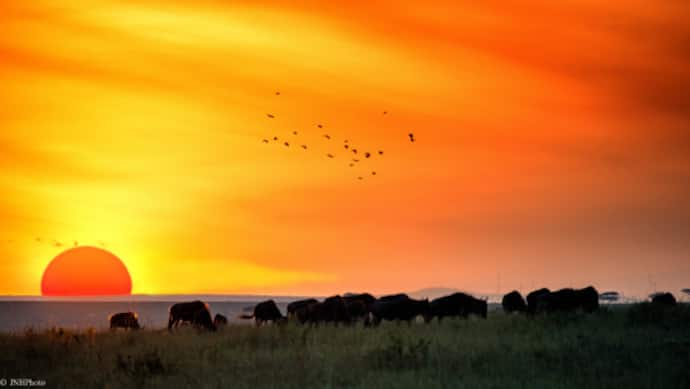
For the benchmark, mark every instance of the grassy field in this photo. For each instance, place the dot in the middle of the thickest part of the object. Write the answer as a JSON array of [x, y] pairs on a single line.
[[623, 347]]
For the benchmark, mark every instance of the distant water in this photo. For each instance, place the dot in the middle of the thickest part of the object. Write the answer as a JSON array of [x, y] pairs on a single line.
[[16, 316]]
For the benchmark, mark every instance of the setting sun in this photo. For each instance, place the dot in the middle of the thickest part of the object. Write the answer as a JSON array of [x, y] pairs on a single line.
[[86, 271]]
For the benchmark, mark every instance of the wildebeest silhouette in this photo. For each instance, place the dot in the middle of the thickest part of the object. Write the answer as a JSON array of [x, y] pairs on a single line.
[[195, 312], [264, 312], [126, 320], [533, 298], [665, 298], [298, 309], [330, 310], [568, 300], [457, 305], [220, 320], [358, 305], [398, 307], [513, 302]]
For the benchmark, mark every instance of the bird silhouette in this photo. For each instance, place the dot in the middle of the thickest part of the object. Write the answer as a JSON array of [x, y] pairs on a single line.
[[76, 243], [411, 135], [380, 152], [367, 154], [327, 136], [270, 116], [345, 141], [38, 240], [286, 144], [352, 164], [304, 147], [277, 93], [354, 151], [373, 173], [57, 244], [355, 160], [294, 132], [329, 155], [275, 138], [319, 125], [346, 146], [360, 178], [265, 140], [385, 112]]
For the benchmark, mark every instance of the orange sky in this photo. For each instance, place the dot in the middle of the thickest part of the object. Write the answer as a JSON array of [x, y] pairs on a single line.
[[553, 143]]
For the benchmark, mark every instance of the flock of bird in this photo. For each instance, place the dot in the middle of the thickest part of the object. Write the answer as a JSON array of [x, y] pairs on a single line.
[[55, 242], [352, 160]]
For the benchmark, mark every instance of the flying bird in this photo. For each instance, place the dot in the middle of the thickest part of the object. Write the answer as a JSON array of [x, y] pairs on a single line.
[[373, 173], [304, 147], [319, 125], [354, 151], [275, 138], [355, 160], [38, 240], [265, 140], [345, 141], [360, 178], [352, 164], [367, 154], [286, 144], [57, 244], [380, 152], [385, 112], [346, 146], [329, 155], [76, 243], [270, 116], [277, 93], [411, 135], [327, 136], [294, 132]]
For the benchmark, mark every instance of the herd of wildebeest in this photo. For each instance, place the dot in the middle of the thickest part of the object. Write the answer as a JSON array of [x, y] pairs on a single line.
[[365, 308]]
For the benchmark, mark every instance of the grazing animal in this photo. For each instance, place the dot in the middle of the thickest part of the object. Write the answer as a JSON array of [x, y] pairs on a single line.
[[665, 299], [358, 305], [220, 320], [264, 312], [195, 312], [399, 307], [457, 305], [298, 309], [513, 302], [534, 297], [126, 320], [331, 310], [568, 300]]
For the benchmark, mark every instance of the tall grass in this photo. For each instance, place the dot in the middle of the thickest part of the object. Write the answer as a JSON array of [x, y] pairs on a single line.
[[620, 348]]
